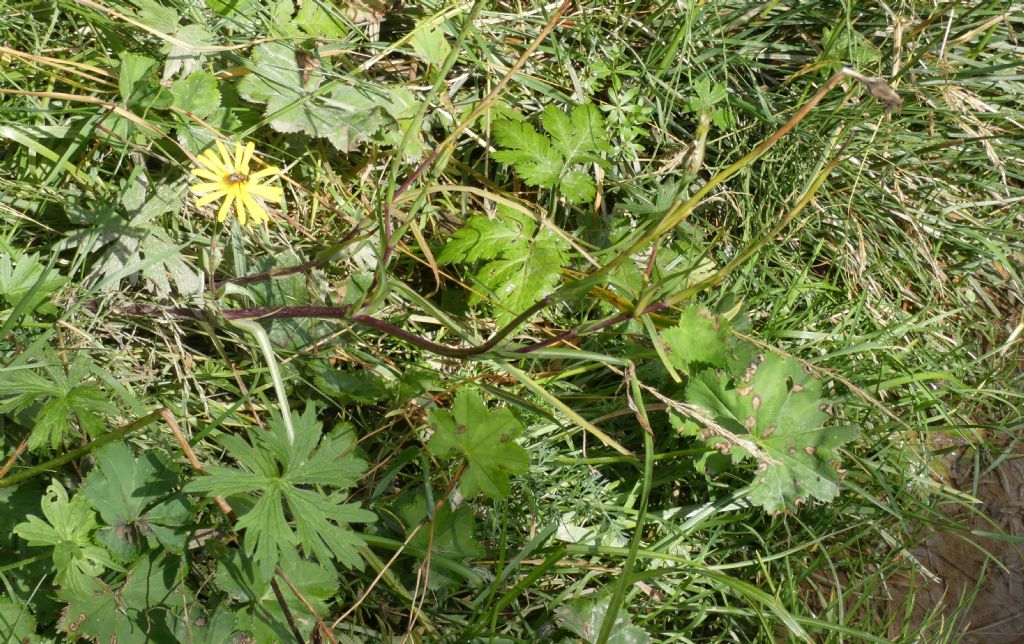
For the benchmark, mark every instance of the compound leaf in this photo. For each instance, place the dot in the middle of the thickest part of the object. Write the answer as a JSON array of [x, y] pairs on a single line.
[[526, 262], [578, 137]]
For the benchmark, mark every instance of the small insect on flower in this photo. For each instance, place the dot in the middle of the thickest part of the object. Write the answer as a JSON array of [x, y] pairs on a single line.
[[228, 177]]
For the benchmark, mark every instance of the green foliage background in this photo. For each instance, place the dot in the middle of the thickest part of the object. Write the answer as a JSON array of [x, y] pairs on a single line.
[[511, 363]]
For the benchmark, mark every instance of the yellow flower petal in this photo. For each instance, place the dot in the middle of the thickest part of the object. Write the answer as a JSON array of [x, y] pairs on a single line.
[[210, 198], [210, 161], [256, 211], [225, 157], [201, 188], [240, 211], [206, 174], [236, 161], [225, 207], [247, 157], [270, 193], [265, 172]]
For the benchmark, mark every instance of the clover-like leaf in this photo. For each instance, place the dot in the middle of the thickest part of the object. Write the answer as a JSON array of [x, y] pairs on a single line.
[[303, 480], [774, 413], [68, 528], [485, 438]]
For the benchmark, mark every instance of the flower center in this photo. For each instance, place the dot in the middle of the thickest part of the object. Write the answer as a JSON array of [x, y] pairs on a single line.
[[235, 177]]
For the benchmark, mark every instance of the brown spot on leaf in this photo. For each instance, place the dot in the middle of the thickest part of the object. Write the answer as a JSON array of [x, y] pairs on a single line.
[[750, 422], [768, 432], [755, 402], [810, 449], [460, 429], [797, 389]]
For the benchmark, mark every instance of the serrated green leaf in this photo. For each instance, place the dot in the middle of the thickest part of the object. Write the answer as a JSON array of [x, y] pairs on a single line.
[[153, 14], [428, 41], [17, 624], [196, 138], [185, 55], [584, 619], [260, 615], [483, 238], [530, 153], [450, 533], [280, 473], [19, 274], [57, 397], [68, 529], [699, 338], [345, 117], [485, 438], [321, 19], [125, 491], [577, 187], [579, 136], [527, 263], [134, 76], [776, 411], [576, 138], [197, 94], [137, 612]]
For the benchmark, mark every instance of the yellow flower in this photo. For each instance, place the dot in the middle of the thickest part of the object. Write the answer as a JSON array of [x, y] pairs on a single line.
[[229, 178]]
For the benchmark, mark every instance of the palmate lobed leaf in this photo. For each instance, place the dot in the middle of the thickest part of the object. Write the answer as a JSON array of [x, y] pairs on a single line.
[[698, 339], [63, 397], [134, 498], [260, 615], [68, 528], [485, 438], [777, 405], [140, 610], [279, 473]]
